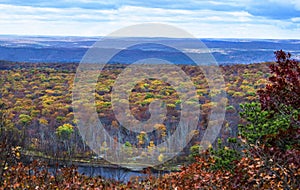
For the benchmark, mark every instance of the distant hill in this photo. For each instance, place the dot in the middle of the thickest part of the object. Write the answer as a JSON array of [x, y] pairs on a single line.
[[72, 49]]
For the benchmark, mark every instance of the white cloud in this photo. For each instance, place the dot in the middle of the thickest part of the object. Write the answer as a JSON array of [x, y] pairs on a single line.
[[296, 19], [296, 3], [19, 13], [92, 22]]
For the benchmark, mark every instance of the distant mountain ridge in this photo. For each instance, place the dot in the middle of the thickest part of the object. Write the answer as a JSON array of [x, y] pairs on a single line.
[[71, 49]]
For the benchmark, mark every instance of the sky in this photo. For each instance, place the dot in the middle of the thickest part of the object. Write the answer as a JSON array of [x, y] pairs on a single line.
[[264, 19]]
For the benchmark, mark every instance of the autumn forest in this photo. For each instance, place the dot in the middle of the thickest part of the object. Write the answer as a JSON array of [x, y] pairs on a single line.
[[258, 146]]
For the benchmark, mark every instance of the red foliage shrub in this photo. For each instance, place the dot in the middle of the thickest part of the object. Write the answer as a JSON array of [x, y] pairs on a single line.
[[284, 86]]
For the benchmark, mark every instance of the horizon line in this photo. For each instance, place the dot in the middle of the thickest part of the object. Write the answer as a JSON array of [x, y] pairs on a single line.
[[204, 38]]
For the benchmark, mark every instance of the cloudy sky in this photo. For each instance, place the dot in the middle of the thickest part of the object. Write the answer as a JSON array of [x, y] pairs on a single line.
[[268, 19]]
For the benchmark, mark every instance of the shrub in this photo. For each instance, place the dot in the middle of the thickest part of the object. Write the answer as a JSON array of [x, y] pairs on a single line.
[[260, 123], [224, 156]]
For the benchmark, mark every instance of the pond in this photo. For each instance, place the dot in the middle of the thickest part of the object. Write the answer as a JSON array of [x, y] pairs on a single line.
[[114, 173]]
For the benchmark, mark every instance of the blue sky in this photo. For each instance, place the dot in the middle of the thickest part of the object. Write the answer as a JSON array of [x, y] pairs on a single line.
[[268, 19]]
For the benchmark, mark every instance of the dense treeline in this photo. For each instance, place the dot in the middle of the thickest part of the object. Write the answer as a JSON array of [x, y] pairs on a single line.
[[258, 145], [38, 99]]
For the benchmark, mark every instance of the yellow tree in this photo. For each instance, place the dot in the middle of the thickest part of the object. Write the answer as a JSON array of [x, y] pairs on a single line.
[[64, 133]]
